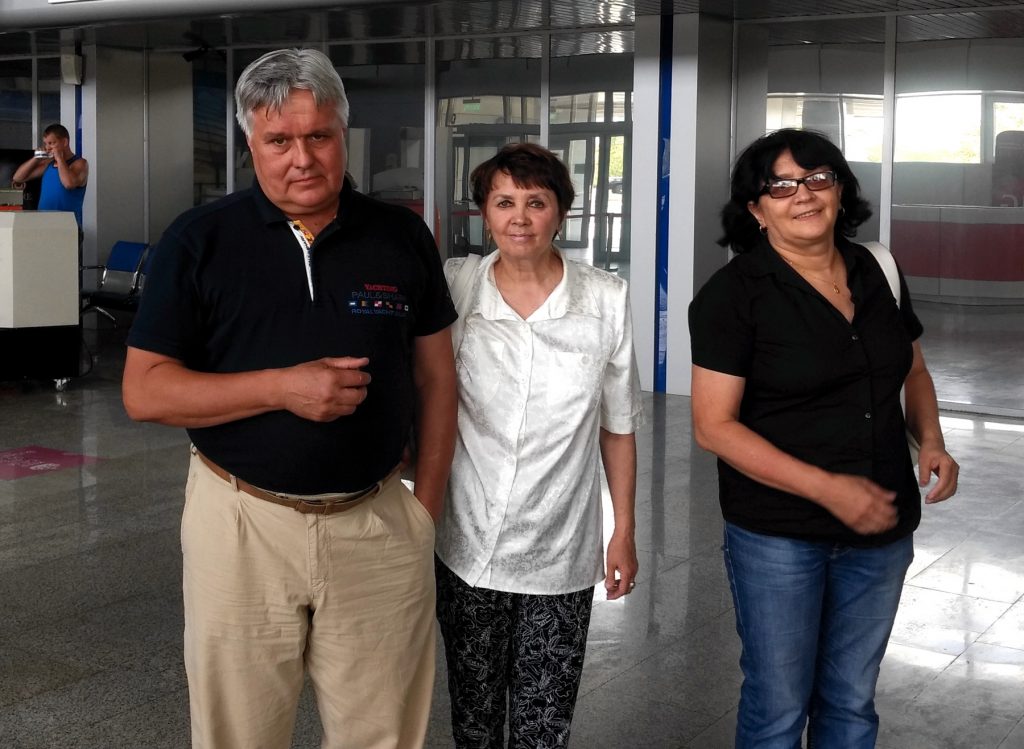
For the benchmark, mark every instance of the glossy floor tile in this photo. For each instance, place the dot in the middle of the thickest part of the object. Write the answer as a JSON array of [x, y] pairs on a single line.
[[974, 353], [91, 613]]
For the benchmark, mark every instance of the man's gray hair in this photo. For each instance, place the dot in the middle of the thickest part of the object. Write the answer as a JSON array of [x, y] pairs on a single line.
[[269, 81]]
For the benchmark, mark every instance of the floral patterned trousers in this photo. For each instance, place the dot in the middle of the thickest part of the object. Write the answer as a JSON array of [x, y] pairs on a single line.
[[522, 650]]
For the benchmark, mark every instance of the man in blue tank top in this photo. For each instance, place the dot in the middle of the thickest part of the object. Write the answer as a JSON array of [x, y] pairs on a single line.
[[64, 173]]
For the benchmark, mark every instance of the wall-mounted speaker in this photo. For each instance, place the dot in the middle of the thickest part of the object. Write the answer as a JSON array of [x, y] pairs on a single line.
[[71, 69]]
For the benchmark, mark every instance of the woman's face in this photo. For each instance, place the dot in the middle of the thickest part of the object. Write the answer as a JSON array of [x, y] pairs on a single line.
[[522, 220], [803, 219]]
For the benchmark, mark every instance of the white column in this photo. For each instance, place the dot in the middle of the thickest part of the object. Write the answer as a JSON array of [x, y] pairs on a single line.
[[644, 192], [702, 103]]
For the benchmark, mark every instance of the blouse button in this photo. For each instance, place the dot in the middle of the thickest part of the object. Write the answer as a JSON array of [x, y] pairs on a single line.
[[867, 415], [855, 337]]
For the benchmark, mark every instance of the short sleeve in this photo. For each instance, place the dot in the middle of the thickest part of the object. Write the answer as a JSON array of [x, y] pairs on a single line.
[[167, 321], [721, 331], [452, 266], [437, 311], [621, 404]]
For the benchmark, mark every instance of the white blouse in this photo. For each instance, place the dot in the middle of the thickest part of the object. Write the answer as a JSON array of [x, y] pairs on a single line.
[[523, 508]]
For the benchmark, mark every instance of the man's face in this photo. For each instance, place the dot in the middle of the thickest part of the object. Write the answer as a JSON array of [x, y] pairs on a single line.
[[299, 155], [54, 144]]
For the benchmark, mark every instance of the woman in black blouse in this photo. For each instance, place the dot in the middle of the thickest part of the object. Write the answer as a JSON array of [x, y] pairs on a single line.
[[799, 354]]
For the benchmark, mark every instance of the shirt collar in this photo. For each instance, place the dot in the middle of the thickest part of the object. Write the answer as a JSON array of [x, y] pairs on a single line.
[[762, 260], [270, 213], [570, 296]]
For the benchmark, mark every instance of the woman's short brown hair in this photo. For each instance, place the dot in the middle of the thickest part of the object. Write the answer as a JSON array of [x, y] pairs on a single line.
[[529, 165]]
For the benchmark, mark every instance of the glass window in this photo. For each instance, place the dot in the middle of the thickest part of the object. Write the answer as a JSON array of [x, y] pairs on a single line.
[[49, 90], [1007, 116], [821, 113], [209, 143], [834, 87], [863, 128], [942, 128], [852, 121], [16, 106], [385, 83], [488, 94], [958, 205], [591, 131]]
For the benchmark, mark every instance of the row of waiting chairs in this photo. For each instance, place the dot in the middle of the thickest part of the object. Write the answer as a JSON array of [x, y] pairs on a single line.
[[118, 283]]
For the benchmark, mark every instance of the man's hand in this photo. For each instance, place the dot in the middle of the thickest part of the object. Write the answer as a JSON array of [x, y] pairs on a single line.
[[326, 389], [32, 168]]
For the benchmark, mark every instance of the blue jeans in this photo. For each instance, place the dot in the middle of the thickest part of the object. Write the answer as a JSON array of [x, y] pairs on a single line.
[[814, 619]]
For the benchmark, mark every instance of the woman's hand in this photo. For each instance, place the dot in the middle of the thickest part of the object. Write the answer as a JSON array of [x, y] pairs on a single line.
[[923, 421], [935, 459], [861, 504], [618, 454], [622, 565]]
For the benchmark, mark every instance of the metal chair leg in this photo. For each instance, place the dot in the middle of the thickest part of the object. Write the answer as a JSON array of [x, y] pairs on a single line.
[[101, 311]]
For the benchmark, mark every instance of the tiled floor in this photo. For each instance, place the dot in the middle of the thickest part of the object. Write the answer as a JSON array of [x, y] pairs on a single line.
[[975, 354], [90, 600]]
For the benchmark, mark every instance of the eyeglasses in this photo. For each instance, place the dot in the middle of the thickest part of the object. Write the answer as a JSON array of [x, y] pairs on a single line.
[[783, 188]]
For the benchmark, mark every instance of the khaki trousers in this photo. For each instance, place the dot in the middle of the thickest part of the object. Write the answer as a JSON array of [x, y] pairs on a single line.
[[270, 592]]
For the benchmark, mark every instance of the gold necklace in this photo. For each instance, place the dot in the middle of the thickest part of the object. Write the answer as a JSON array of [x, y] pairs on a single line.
[[802, 270]]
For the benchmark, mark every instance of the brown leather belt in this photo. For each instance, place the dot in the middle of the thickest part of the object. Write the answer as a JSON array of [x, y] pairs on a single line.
[[326, 506]]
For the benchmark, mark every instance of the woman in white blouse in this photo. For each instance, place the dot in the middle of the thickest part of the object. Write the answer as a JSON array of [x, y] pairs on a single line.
[[548, 391]]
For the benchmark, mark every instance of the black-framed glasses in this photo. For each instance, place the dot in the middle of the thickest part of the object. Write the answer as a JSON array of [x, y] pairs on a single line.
[[783, 188]]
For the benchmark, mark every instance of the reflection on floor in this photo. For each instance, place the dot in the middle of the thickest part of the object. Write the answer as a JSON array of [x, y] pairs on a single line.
[[90, 631], [975, 354]]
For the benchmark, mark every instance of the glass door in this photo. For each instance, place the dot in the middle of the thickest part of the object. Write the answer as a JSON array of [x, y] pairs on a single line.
[[597, 228]]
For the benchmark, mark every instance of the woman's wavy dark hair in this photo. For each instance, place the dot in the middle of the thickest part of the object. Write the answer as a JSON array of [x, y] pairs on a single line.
[[754, 168], [529, 165]]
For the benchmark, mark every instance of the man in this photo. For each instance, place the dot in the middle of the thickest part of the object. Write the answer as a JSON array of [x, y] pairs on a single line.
[[294, 329], [64, 174]]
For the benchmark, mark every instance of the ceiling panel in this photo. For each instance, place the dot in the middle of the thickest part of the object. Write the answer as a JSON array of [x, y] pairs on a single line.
[[272, 28], [592, 43], [487, 16], [490, 48], [577, 14], [997, 24], [377, 22], [380, 53], [759, 9], [1001, 24], [838, 31], [788, 22]]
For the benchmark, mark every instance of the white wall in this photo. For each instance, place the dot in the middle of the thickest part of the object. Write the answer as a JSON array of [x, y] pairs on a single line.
[[117, 167], [827, 68], [87, 148], [644, 199], [701, 111], [698, 166], [751, 81], [682, 199], [169, 142]]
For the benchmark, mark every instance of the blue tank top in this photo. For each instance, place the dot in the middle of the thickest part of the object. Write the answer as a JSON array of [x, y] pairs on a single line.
[[53, 196]]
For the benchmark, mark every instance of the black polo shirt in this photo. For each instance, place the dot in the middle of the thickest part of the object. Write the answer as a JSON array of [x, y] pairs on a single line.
[[817, 387], [228, 292]]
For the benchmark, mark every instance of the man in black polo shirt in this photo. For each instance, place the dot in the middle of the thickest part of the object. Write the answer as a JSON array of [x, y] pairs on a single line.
[[295, 329]]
